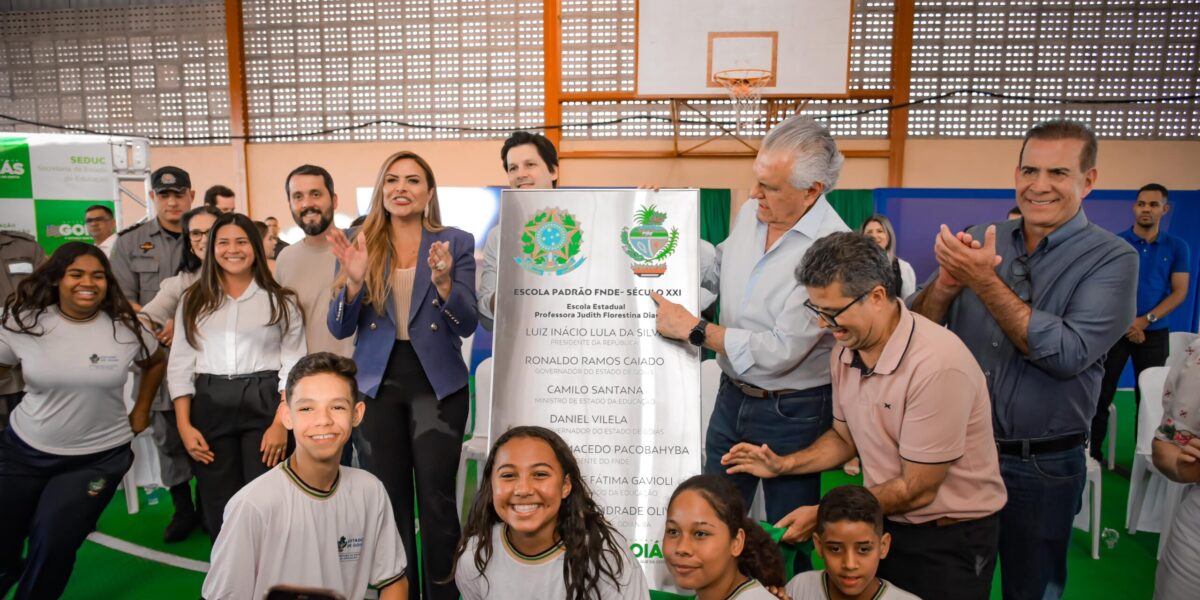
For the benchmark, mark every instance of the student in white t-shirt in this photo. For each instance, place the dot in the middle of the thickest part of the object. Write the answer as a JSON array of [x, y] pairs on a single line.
[[849, 537], [534, 530], [310, 522], [68, 445], [713, 548]]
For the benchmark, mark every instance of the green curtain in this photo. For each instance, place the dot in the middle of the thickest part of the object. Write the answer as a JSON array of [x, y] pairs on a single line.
[[714, 215], [714, 228], [853, 206]]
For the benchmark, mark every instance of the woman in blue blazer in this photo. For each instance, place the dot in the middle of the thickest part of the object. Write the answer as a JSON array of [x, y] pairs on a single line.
[[407, 287]]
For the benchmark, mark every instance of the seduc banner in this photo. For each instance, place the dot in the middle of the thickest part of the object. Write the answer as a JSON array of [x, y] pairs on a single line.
[[576, 349]]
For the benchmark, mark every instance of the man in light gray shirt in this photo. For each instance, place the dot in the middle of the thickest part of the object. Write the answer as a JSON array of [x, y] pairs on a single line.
[[775, 386]]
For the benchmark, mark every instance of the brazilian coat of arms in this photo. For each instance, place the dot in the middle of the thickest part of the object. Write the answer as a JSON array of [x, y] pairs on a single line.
[[550, 243], [649, 243]]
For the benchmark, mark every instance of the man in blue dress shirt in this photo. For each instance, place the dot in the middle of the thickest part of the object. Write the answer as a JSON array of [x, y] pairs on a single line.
[[1162, 286], [1039, 301]]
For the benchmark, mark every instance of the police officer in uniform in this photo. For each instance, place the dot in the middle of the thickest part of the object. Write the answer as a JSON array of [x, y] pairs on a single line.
[[20, 254], [147, 253]]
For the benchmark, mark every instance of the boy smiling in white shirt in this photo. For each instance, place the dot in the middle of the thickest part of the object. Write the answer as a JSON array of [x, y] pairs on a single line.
[[310, 521]]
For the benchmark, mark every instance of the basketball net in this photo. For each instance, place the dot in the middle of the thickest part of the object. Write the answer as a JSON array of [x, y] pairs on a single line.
[[745, 89]]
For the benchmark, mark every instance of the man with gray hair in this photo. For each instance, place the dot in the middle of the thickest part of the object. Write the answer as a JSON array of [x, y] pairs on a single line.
[[774, 357], [911, 400]]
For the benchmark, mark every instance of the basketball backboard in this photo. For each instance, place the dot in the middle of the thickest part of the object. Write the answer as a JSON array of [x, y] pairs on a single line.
[[681, 44]]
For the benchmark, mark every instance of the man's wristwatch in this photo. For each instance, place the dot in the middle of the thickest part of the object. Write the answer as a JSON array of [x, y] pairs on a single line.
[[697, 336], [1151, 317]]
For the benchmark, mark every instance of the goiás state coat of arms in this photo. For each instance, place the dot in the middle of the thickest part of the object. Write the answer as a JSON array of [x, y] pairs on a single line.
[[649, 243], [550, 243]]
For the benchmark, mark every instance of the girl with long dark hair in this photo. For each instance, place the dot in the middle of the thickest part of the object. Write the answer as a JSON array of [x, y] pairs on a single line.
[[68, 445], [534, 530], [406, 287], [238, 334], [713, 548]]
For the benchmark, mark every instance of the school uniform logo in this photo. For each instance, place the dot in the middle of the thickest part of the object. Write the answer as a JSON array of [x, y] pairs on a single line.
[[349, 548], [102, 363], [96, 486]]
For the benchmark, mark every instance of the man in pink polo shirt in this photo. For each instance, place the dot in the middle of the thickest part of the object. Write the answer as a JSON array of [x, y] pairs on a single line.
[[909, 398]]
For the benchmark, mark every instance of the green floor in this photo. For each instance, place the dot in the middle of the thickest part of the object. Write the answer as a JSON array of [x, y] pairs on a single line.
[[1125, 572]]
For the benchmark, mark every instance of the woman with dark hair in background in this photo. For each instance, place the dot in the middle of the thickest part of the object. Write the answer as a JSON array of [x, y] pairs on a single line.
[[406, 286], [238, 335], [161, 310], [75, 335], [534, 527], [879, 228], [270, 242]]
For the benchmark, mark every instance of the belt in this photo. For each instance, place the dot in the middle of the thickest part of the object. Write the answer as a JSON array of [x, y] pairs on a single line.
[[1028, 448], [939, 522], [757, 392], [256, 375]]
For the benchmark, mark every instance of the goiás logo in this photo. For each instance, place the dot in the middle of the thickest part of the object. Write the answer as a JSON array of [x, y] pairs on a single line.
[[67, 230], [651, 549], [12, 169]]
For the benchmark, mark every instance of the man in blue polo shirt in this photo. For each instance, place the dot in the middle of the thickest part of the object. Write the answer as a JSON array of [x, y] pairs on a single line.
[[1162, 286]]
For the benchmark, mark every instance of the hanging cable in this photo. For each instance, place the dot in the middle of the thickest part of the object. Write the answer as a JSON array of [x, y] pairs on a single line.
[[616, 121]]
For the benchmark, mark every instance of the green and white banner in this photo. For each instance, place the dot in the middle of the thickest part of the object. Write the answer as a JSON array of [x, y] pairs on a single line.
[[576, 349], [47, 182]]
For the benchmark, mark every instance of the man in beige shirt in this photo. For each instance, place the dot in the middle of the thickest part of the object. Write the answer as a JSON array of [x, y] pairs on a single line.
[[909, 398], [309, 266]]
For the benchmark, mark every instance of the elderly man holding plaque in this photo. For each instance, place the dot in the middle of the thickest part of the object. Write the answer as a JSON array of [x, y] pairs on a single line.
[[775, 386]]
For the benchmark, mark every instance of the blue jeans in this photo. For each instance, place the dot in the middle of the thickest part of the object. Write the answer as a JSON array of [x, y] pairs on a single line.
[[1044, 493], [787, 424]]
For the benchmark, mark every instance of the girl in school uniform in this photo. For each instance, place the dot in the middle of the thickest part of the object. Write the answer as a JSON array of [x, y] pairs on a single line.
[[713, 548], [534, 530], [68, 445], [238, 333]]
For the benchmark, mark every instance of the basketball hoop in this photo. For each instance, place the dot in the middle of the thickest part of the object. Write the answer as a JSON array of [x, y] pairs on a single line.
[[745, 89]]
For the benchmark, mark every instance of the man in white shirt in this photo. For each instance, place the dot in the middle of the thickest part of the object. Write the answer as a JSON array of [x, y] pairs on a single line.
[[102, 226], [531, 163], [775, 386]]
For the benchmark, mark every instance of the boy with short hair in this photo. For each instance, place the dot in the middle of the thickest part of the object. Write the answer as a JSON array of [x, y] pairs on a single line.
[[309, 521], [850, 539]]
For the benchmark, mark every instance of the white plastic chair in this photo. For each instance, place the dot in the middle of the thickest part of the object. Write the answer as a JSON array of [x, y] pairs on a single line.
[[476, 448], [1152, 497], [1088, 518], [467, 347], [1112, 436]]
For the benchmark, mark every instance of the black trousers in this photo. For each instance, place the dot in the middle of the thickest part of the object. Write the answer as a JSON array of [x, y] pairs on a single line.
[[54, 501], [407, 435], [952, 562], [1150, 353], [232, 414]]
